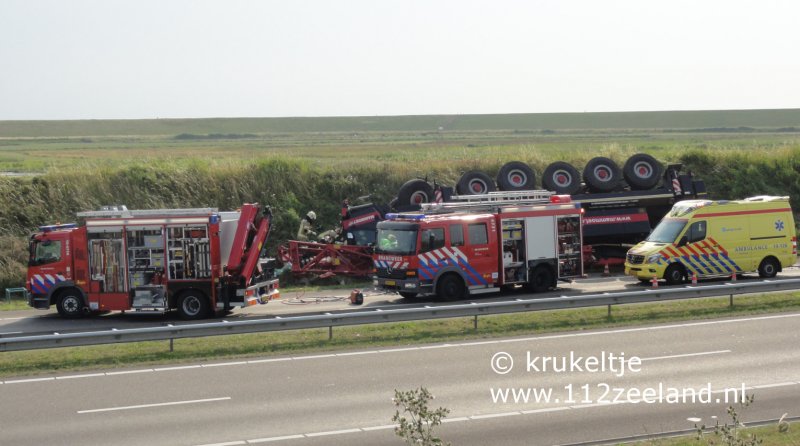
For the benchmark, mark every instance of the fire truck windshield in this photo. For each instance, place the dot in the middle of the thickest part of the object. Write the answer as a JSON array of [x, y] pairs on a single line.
[[667, 231], [45, 251], [400, 241]]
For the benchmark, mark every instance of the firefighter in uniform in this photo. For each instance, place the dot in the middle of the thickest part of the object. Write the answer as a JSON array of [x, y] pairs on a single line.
[[306, 231]]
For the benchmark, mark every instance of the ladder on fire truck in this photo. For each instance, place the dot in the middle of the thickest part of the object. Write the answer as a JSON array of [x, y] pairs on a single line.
[[490, 201], [124, 212]]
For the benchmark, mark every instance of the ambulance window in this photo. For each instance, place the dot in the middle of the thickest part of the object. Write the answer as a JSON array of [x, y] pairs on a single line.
[[438, 239], [45, 251], [478, 234], [456, 235], [696, 232]]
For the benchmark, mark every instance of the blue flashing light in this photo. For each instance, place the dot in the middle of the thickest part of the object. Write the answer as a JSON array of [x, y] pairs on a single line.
[[50, 228], [394, 216], [213, 219]]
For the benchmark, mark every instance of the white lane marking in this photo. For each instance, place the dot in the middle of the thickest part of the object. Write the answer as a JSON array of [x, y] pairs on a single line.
[[339, 432], [182, 367], [464, 344], [685, 355], [11, 318], [225, 364], [88, 375], [145, 406], [11, 332], [230, 443], [266, 440], [30, 380], [459, 419], [129, 372]]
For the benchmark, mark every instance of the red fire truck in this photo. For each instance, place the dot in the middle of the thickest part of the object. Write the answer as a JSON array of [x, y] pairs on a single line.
[[480, 243], [197, 261]]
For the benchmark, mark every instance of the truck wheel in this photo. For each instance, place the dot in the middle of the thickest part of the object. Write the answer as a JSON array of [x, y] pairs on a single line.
[[414, 193], [475, 182], [561, 178], [193, 305], [768, 268], [451, 287], [515, 176], [642, 171], [541, 280], [675, 274], [601, 174], [407, 294], [70, 304]]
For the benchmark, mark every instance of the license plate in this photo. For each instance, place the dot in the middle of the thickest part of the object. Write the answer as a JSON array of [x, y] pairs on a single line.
[[390, 283]]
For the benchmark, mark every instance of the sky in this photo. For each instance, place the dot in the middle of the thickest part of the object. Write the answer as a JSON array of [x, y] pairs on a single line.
[[142, 59]]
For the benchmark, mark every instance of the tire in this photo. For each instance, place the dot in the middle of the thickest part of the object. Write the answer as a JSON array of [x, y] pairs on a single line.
[[601, 174], [70, 304], [768, 268], [393, 204], [407, 294], [475, 182], [193, 305], [451, 287], [561, 178], [414, 193], [642, 171], [675, 274], [541, 280], [515, 176]]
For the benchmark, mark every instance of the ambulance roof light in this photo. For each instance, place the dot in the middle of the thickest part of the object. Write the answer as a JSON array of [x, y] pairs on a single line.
[[560, 199]]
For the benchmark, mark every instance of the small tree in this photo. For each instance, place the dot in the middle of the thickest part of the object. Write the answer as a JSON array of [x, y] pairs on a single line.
[[730, 434], [418, 428]]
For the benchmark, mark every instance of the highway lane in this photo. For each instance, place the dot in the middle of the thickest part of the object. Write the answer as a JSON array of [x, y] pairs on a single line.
[[15, 323], [345, 397]]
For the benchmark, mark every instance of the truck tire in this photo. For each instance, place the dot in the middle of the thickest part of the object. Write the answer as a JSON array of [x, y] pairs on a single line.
[[561, 178], [515, 176], [451, 287], [475, 182], [70, 304], [642, 171], [193, 305], [675, 274], [768, 268], [414, 193], [601, 174], [542, 279]]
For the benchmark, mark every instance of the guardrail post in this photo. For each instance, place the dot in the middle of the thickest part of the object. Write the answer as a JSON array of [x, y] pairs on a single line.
[[171, 345], [731, 301], [609, 311], [330, 333], [475, 323]]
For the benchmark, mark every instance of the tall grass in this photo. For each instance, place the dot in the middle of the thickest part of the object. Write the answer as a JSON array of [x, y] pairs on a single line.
[[292, 185]]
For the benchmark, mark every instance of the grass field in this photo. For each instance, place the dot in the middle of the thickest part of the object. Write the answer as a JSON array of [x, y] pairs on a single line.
[[297, 164]]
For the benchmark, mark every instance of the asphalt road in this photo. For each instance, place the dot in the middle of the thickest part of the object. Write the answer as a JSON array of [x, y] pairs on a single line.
[[345, 398], [15, 323]]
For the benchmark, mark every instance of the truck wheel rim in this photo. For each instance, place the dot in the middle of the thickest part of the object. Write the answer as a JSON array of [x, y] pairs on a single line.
[[71, 304], [643, 170], [517, 178], [562, 178], [191, 305], [602, 173], [478, 187], [419, 197]]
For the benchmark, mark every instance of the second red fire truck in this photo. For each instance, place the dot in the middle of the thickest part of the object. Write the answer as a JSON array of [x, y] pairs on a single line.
[[480, 243]]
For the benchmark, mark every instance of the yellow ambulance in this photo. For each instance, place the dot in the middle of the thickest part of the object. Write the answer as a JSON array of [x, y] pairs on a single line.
[[717, 238]]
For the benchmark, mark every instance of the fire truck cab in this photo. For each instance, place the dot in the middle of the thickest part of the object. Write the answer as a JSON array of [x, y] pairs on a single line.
[[194, 260], [480, 243]]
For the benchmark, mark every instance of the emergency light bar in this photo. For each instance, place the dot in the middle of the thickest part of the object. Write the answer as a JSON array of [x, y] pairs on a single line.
[[50, 228], [393, 216]]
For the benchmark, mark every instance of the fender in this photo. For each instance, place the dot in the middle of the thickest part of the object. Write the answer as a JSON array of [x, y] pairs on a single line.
[[53, 292], [450, 269]]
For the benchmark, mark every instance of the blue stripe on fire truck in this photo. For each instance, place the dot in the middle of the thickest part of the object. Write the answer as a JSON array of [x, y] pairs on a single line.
[[41, 283]]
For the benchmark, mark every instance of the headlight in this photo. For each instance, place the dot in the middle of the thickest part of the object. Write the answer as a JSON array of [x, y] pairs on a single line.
[[653, 258]]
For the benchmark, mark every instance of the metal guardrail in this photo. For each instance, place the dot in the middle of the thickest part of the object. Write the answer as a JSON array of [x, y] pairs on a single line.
[[382, 316]]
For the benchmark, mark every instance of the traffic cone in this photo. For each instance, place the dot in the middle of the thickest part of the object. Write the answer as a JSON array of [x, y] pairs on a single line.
[[733, 277], [654, 282], [606, 272], [694, 278]]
